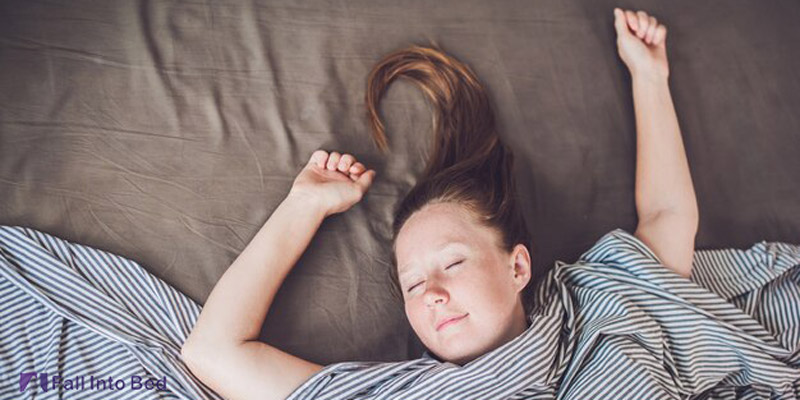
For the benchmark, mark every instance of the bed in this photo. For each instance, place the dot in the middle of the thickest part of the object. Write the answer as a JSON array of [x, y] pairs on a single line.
[[167, 132]]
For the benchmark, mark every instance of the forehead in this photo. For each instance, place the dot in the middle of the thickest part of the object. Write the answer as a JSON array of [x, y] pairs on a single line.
[[447, 247], [437, 229]]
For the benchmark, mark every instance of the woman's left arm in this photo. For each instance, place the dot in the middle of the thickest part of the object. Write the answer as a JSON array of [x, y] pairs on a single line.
[[665, 199]]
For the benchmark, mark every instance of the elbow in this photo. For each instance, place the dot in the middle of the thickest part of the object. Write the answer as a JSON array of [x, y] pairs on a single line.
[[683, 209], [202, 356], [188, 355], [688, 219], [692, 213], [197, 362], [693, 220], [192, 354], [185, 351], [691, 223], [188, 346]]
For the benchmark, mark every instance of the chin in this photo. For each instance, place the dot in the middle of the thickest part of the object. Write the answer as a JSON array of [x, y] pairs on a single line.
[[463, 360], [458, 356]]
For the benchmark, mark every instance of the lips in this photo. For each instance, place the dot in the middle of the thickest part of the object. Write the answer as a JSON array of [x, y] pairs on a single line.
[[441, 323]]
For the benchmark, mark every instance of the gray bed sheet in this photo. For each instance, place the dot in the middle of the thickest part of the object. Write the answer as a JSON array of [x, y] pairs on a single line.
[[168, 131]]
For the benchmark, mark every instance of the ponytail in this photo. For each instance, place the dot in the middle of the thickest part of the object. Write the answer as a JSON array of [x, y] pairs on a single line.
[[468, 164]]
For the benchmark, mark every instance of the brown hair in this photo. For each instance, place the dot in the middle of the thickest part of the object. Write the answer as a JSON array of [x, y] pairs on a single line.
[[468, 164]]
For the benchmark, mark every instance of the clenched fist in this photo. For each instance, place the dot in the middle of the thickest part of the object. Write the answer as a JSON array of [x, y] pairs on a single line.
[[641, 42], [333, 181]]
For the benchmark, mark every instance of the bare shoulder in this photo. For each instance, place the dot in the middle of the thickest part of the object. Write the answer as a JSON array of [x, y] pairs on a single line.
[[252, 370]]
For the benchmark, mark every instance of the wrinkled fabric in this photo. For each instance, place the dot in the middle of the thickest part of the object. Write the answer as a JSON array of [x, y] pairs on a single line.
[[78, 312], [169, 131], [617, 323]]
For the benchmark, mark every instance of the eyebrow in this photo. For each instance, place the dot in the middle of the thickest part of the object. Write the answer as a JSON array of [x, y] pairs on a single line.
[[403, 269]]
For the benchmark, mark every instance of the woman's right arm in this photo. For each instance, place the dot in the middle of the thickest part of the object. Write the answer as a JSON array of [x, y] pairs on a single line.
[[223, 349]]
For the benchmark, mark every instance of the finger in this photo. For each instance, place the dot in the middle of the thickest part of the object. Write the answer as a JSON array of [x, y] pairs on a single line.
[[333, 159], [643, 21], [633, 20], [345, 162], [365, 180], [354, 177], [651, 30], [357, 168], [318, 158], [620, 21], [661, 35]]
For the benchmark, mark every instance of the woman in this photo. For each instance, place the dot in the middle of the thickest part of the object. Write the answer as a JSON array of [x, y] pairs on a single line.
[[461, 250]]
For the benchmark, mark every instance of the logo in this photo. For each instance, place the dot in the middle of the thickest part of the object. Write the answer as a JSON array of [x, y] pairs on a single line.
[[135, 382], [25, 378]]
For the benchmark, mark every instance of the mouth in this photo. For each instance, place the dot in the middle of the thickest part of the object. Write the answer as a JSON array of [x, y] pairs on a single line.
[[450, 321]]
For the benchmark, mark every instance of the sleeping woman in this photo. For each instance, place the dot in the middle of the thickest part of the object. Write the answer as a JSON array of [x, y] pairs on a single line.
[[630, 319]]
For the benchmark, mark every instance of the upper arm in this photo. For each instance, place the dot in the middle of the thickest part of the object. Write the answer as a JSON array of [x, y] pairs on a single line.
[[252, 370], [671, 236]]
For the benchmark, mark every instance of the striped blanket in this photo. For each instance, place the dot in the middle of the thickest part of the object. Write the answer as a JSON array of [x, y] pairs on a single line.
[[617, 324], [78, 322]]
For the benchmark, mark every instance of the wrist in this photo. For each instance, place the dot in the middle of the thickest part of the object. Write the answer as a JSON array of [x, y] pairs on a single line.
[[649, 75], [309, 202]]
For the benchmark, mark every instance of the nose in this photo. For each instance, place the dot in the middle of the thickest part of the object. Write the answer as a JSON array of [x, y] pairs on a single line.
[[435, 294]]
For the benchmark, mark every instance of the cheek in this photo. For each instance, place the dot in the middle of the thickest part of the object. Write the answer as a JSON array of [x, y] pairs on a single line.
[[486, 293], [415, 313]]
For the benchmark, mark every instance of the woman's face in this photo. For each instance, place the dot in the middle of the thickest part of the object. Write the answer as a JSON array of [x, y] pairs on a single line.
[[450, 266]]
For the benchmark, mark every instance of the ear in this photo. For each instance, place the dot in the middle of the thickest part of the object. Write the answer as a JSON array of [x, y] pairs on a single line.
[[521, 266]]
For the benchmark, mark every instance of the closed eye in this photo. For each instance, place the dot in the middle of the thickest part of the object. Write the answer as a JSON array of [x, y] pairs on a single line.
[[412, 287], [448, 267]]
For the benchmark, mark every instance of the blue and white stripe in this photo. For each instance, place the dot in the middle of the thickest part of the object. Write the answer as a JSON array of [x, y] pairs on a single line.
[[618, 324], [614, 324], [72, 310]]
